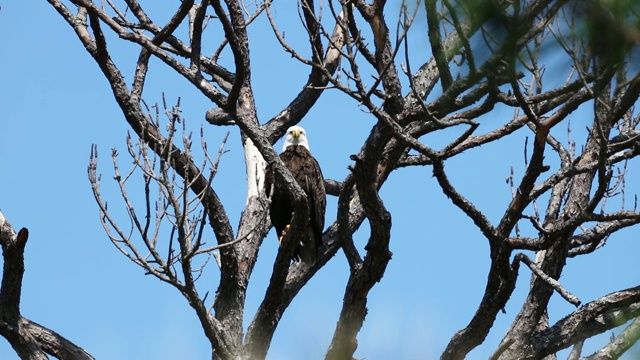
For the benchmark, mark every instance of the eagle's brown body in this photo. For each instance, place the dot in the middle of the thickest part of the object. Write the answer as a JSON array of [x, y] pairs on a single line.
[[305, 169]]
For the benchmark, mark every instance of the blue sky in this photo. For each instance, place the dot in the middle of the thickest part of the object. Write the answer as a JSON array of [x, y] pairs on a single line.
[[55, 103]]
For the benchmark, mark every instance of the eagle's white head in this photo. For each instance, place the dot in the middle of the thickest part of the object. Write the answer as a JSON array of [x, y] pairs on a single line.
[[296, 135]]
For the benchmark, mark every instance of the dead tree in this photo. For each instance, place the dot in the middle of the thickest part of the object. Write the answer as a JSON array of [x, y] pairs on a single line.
[[482, 55]]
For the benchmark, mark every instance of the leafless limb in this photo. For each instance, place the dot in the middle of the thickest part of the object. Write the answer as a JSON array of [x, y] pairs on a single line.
[[595, 317], [551, 281], [620, 344], [29, 339]]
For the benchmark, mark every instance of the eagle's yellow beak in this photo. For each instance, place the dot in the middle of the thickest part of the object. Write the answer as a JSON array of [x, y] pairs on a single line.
[[296, 133]]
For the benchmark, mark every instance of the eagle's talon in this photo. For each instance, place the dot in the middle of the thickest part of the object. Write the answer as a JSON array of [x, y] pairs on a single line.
[[284, 233]]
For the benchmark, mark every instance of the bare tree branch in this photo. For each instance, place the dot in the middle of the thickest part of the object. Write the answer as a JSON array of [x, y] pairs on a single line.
[[620, 344], [28, 339], [595, 317]]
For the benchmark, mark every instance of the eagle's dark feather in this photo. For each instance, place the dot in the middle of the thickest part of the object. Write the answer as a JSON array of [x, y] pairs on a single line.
[[305, 169]]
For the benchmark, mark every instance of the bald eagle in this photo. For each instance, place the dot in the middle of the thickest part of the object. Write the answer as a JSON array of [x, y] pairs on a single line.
[[305, 169]]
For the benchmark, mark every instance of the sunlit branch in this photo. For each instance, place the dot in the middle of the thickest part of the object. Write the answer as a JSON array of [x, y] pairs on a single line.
[[549, 280]]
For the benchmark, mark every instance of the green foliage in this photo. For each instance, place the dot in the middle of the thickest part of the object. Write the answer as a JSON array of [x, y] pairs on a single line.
[[611, 27]]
